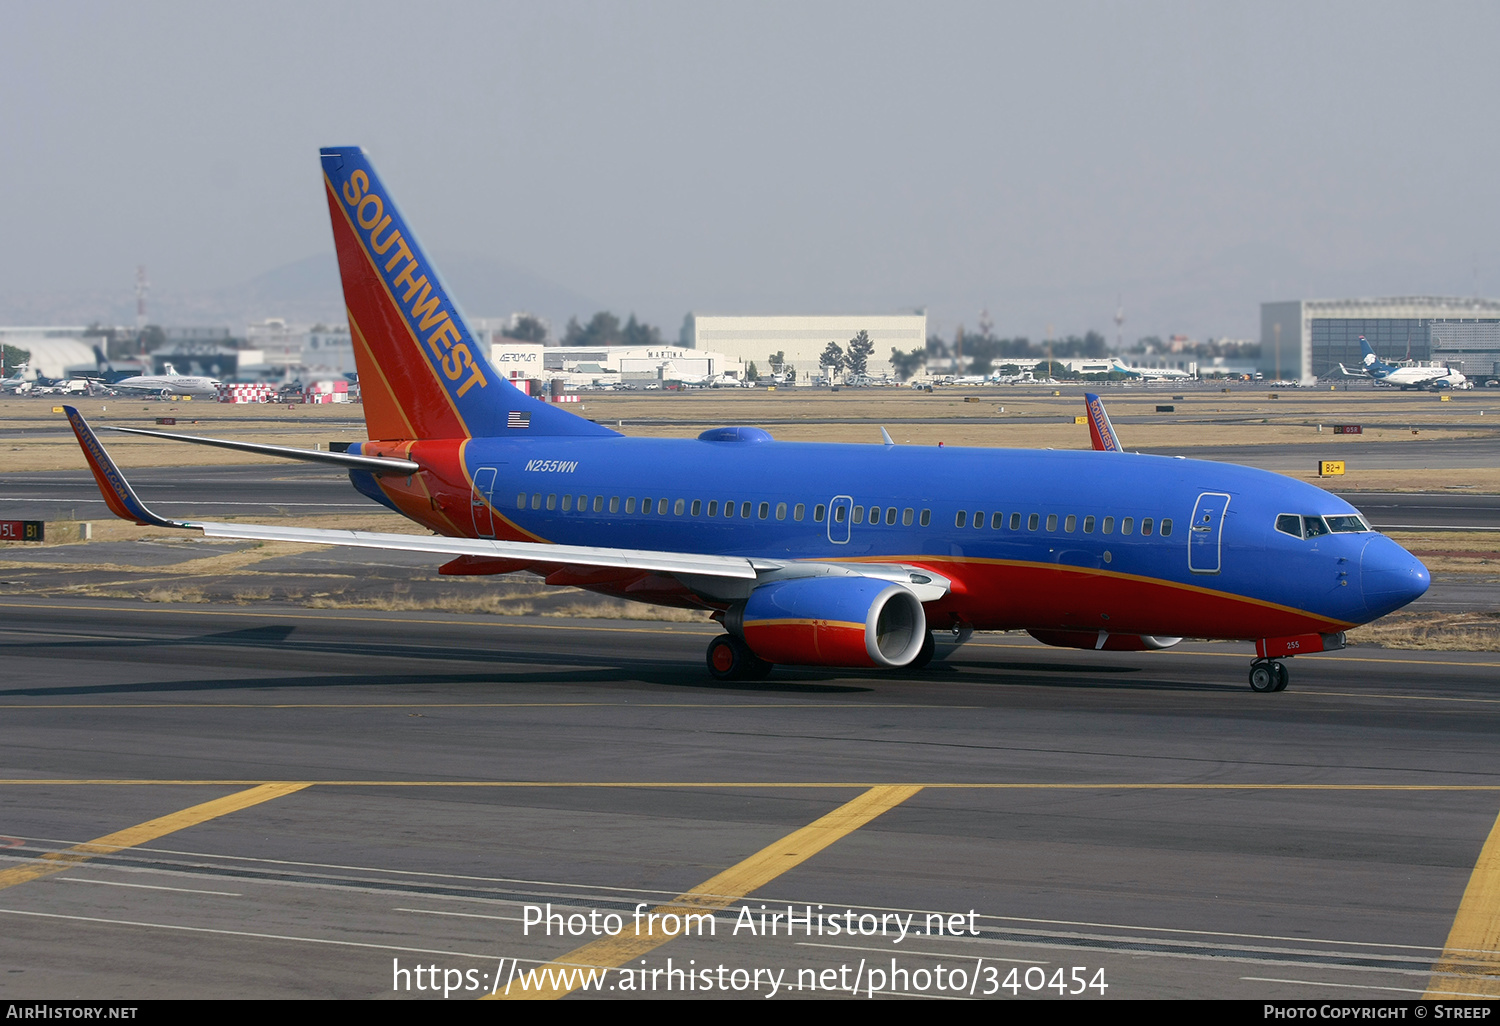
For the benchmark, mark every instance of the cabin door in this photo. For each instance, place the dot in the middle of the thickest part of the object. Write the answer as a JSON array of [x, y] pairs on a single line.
[[838, 519], [479, 502], [1205, 538]]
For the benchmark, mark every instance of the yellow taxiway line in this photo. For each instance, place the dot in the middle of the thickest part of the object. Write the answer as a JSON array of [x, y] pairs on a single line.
[[720, 891], [1471, 959], [57, 861]]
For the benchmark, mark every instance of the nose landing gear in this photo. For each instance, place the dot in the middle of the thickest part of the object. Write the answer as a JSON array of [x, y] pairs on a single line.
[[1268, 675]]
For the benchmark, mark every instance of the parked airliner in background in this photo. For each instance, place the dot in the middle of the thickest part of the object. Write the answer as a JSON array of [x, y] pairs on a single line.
[[168, 384], [809, 553], [1431, 378]]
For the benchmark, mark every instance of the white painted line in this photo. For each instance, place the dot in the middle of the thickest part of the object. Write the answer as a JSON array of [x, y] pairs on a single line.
[[147, 887]]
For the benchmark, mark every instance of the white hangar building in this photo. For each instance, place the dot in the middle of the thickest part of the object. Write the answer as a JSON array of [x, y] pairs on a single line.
[[803, 339]]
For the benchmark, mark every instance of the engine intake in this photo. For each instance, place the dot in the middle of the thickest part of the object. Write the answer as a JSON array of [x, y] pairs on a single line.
[[831, 621]]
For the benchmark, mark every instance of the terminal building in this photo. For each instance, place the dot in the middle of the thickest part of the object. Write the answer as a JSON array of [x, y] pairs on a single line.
[[1305, 339], [803, 339]]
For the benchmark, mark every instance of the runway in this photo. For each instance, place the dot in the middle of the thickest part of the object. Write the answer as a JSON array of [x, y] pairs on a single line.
[[299, 802]]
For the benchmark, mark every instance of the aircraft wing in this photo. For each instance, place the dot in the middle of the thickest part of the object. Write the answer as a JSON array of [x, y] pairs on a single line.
[[124, 503], [723, 578]]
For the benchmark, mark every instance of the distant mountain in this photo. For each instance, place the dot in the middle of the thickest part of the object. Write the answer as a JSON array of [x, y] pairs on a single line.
[[303, 291]]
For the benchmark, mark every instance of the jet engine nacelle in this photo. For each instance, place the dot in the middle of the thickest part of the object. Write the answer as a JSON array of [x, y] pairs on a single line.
[[1103, 641], [831, 621]]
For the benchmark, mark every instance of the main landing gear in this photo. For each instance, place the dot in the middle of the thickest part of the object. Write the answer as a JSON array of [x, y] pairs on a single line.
[[1267, 675], [729, 658]]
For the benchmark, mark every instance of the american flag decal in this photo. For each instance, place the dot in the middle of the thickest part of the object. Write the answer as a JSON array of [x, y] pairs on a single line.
[[517, 419]]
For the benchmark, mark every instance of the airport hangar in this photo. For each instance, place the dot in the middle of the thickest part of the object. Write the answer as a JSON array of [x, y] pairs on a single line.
[[803, 339], [1305, 339]]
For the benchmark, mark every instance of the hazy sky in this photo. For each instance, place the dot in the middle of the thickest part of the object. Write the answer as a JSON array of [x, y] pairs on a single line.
[[1036, 159]]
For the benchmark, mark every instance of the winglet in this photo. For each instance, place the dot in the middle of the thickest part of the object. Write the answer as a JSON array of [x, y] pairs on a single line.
[[118, 495], [1100, 429], [887, 436]]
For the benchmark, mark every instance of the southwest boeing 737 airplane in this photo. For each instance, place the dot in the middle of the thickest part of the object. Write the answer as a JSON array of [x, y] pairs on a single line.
[[808, 553]]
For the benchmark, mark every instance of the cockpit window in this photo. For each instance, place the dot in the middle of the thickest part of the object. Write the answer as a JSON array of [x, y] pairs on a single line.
[[1314, 526], [1289, 523], [1347, 525]]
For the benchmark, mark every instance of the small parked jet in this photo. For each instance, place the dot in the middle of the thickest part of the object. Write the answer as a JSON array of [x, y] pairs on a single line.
[[809, 553]]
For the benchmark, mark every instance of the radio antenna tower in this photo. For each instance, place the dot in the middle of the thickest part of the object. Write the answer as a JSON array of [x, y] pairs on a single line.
[[142, 286]]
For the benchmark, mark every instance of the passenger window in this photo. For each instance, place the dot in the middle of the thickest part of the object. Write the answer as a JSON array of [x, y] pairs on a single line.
[[598, 504], [1033, 522], [978, 519], [874, 514], [744, 511], [799, 511], [1314, 526], [630, 504], [1088, 525], [906, 517], [1051, 521], [1146, 528], [1289, 523], [926, 517], [697, 507], [1108, 527], [552, 501], [997, 521], [1127, 525], [567, 503], [646, 505], [818, 512], [521, 501], [1015, 521], [890, 516], [678, 507], [536, 500], [1070, 523], [713, 507], [583, 503], [765, 510], [661, 507], [961, 519], [781, 511], [838, 514], [614, 504], [1166, 528], [858, 516], [729, 509]]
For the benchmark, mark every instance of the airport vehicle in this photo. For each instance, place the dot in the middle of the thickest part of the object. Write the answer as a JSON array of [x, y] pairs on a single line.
[[809, 553], [168, 384], [1430, 378]]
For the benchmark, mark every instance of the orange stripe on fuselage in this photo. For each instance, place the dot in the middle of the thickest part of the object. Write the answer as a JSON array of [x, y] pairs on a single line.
[[997, 594]]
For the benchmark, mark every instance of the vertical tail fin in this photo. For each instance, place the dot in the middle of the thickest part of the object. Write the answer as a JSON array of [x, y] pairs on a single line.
[[421, 372]]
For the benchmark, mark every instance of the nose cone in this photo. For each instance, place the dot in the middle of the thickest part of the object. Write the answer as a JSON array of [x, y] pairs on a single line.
[[1390, 576]]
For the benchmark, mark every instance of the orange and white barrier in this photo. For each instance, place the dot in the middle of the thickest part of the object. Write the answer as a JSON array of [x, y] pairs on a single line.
[[258, 392]]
